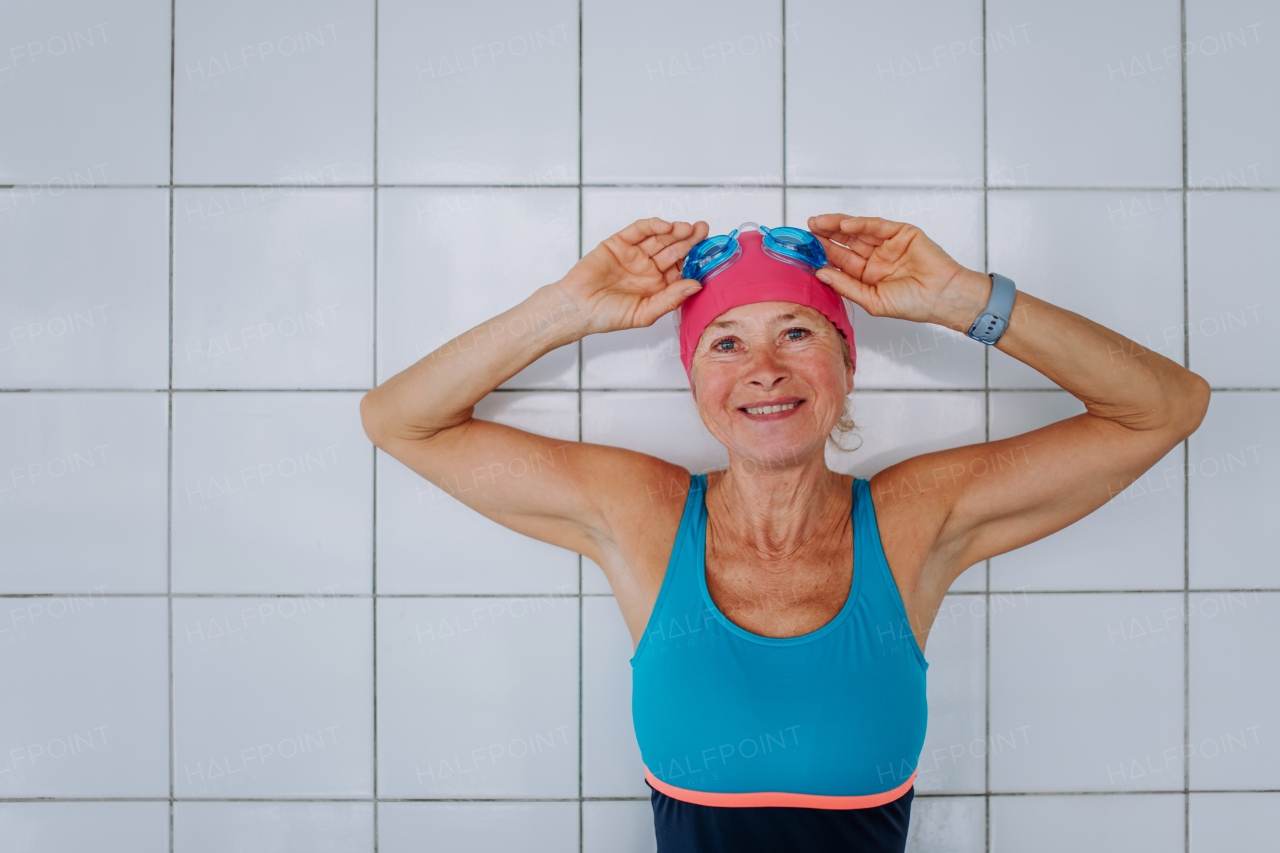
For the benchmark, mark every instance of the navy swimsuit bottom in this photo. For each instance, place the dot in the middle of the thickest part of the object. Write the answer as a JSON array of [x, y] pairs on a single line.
[[690, 828]]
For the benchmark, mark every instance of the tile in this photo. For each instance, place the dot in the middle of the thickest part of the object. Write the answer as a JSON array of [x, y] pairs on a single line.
[[1233, 478], [85, 710], [91, 464], [1130, 280], [272, 697], [93, 311], [478, 827], [431, 542], [1231, 297], [1232, 74], [718, 75], [278, 94], [899, 353], [953, 759], [1087, 95], [44, 827], [1234, 640], [272, 492], [1234, 821], [272, 288], [1134, 541], [953, 824], [665, 424], [272, 827], [1086, 692], [893, 426], [509, 71], [1114, 824], [650, 357], [84, 89], [478, 698], [611, 762], [618, 826], [439, 275], [916, 68]]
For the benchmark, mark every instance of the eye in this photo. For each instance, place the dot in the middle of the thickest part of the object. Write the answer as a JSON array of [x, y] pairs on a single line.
[[715, 347], [788, 333]]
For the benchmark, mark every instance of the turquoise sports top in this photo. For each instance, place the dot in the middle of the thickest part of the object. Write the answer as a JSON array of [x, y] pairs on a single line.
[[831, 719]]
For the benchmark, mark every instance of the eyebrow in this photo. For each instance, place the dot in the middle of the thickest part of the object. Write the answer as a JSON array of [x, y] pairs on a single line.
[[725, 324]]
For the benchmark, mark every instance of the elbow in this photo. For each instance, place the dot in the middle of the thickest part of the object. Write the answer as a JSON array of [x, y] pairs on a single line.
[[1193, 403], [370, 416]]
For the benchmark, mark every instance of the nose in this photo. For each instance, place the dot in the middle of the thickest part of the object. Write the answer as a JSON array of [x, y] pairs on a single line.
[[766, 370]]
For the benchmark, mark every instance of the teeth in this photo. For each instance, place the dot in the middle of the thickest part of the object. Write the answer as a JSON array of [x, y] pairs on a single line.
[[768, 410]]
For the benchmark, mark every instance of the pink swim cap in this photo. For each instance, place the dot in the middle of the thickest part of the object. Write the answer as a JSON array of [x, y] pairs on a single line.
[[757, 277]]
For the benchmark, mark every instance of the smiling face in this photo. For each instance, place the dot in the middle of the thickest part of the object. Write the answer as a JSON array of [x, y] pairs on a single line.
[[756, 357]]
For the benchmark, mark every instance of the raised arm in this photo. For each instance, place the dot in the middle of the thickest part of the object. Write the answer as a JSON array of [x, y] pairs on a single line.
[[555, 491], [943, 512]]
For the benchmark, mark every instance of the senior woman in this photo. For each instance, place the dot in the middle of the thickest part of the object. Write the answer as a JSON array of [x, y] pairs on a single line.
[[779, 610]]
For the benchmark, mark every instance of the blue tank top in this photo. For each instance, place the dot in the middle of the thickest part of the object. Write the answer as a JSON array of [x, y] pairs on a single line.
[[728, 719]]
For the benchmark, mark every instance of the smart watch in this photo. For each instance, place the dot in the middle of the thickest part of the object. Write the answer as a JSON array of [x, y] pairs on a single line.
[[994, 319]]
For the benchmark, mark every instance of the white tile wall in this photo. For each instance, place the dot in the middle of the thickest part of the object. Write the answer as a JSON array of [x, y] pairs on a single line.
[[84, 89], [1232, 308], [214, 827], [92, 312], [1232, 69], [1083, 95], [272, 288], [271, 494], [218, 229], [429, 542], [477, 698], [1052, 658], [1108, 824], [278, 94], [507, 66], [272, 697], [914, 71], [482, 827], [71, 827], [1233, 821], [1141, 524], [82, 500], [1114, 257], [85, 711]]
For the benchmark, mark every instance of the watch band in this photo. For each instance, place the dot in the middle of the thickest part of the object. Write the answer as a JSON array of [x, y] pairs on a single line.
[[994, 319]]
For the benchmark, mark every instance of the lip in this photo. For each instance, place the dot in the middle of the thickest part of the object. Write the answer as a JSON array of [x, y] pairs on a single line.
[[773, 416]]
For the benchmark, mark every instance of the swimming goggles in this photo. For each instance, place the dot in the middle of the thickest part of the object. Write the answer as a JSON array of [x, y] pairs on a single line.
[[793, 246]]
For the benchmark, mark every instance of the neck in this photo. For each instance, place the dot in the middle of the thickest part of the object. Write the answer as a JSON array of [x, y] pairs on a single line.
[[777, 511]]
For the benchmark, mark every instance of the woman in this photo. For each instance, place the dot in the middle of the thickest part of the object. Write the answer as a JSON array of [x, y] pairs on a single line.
[[779, 610]]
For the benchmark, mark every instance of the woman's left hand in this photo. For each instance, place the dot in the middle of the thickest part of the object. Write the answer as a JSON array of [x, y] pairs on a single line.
[[891, 269]]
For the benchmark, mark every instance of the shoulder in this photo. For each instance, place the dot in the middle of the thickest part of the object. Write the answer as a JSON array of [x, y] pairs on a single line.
[[910, 512], [642, 500]]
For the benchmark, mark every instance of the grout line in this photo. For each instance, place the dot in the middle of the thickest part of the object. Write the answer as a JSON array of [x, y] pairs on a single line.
[[886, 390], [373, 559], [986, 415], [906, 188], [956, 795], [1186, 475], [581, 602], [527, 595], [173, 30], [784, 112]]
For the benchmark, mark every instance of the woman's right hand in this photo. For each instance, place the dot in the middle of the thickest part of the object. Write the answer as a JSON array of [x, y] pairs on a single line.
[[634, 277]]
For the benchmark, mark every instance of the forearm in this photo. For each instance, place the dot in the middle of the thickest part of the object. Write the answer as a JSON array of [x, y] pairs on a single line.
[[1112, 375], [441, 389]]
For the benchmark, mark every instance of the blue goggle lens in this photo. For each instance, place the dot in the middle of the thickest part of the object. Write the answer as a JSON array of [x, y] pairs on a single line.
[[794, 246], [711, 256]]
